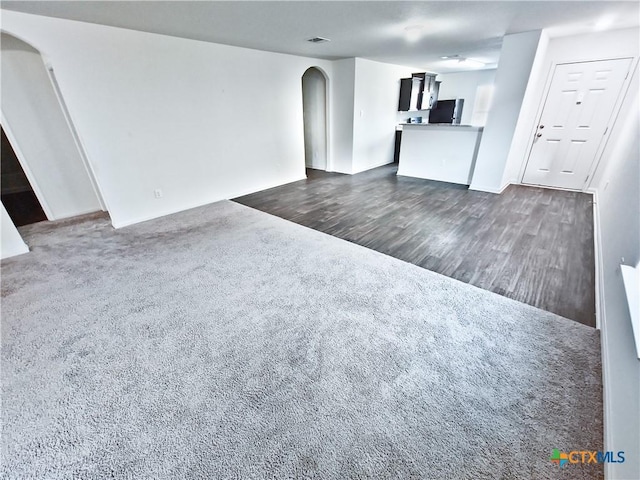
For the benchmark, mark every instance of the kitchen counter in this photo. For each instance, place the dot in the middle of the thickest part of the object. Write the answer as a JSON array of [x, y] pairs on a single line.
[[442, 152]]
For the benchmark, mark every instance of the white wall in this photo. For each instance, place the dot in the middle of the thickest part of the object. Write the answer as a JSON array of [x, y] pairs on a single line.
[[314, 100], [465, 85], [618, 207], [516, 61], [342, 104], [375, 112], [36, 126], [576, 48], [529, 112], [11, 243], [159, 112], [365, 113]]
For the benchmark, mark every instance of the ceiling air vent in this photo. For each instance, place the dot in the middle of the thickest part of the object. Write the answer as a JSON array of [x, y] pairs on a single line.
[[318, 40]]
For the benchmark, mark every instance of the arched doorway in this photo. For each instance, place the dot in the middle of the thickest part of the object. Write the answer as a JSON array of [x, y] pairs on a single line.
[[314, 106], [41, 135]]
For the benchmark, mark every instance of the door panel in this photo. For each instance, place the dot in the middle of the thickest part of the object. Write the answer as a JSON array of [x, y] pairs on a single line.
[[577, 110]]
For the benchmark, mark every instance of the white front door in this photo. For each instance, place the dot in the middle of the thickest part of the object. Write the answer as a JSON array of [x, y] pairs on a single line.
[[574, 119]]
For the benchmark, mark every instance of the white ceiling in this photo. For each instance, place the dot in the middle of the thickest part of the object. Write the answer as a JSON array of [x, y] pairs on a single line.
[[373, 30]]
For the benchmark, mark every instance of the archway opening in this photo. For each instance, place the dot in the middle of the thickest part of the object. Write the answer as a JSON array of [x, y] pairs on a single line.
[[42, 137], [314, 106]]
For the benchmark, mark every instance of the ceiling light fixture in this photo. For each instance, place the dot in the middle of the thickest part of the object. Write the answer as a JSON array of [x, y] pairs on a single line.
[[603, 23], [463, 61], [318, 40], [468, 62], [413, 32]]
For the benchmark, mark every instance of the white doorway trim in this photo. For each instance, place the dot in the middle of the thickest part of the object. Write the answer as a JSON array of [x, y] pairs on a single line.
[[328, 117], [27, 171], [614, 118], [327, 102], [74, 133]]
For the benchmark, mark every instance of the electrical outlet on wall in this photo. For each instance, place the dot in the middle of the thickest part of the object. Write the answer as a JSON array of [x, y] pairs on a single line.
[[157, 193]]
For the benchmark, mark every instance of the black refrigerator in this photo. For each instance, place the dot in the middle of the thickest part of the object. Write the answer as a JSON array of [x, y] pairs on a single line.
[[447, 111]]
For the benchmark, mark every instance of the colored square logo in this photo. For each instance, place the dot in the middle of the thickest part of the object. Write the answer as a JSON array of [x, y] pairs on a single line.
[[559, 458]]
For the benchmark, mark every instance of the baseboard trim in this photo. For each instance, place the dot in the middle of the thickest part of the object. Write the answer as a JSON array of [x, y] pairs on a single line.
[[497, 191], [263, 187], [597, 250], [117, 224], [21, 250], [601, 325], [562, 189], [77, 214], [371, 167]]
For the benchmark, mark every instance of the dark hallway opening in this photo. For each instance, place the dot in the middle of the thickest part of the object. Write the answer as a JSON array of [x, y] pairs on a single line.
[[17, 195]]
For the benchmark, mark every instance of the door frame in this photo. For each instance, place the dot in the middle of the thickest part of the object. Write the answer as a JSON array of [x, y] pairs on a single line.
[[25, 167], [597, 159], [75, 135], [327, 102], [82, 151]]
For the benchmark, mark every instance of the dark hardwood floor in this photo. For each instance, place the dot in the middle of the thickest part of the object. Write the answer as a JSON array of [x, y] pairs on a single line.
[[23, 208], [18, 197], [531, 244]]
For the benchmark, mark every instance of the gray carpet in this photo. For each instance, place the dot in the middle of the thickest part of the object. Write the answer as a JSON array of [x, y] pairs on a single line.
[[223, 342]]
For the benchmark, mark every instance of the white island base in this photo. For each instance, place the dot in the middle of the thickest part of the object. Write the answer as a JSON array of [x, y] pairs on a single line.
[[446, 153]]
